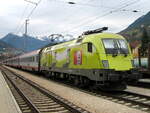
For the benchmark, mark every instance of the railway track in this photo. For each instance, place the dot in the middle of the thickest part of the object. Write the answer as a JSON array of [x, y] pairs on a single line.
[[32, 98], [129, 99], [142, 84]]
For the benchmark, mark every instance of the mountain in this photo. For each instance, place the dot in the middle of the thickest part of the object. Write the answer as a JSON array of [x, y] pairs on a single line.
[[26, 43], [4, 45], [144, 20], [44, 38], [7, 50], [133, 32]]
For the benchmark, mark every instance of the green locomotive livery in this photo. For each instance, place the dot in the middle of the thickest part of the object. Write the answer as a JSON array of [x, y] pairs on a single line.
[[101, 60], [94, 59]]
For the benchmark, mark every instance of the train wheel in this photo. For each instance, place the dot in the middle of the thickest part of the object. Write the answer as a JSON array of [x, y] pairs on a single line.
[[76, 81], [84, 82]]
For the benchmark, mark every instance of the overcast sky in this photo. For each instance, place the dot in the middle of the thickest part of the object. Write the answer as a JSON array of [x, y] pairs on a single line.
[[57, 16]]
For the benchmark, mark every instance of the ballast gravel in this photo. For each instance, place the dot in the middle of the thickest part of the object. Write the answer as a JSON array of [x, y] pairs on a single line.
[[139, 90], [89, 102]]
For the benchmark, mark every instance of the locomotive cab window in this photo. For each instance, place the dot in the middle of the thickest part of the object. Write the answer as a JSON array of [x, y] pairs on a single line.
[[117, 46], [37, 58], [89, 47]]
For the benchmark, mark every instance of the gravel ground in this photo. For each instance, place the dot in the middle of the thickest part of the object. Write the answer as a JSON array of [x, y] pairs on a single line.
[[138, 90], [91, 103], [145, 80]]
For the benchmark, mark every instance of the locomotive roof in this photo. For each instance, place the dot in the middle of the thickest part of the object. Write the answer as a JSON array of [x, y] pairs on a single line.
[[105, 35], [84, 37]]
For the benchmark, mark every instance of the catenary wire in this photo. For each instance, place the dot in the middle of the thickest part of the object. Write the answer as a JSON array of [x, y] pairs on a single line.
[[29, 15], [97, 17]]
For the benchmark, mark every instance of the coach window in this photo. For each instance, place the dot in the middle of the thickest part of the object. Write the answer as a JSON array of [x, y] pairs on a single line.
[[37, 58], [89, 47], [29, 59], [33, 58]]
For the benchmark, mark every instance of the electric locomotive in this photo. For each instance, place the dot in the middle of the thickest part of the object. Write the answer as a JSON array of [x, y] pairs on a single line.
[[97, 59]]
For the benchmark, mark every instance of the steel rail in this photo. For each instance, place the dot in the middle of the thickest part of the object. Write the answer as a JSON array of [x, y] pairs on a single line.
[[120, 96], [30, 104], [66, 104]]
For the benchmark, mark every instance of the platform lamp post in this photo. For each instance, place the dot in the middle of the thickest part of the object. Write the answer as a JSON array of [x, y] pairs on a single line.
[[25, 33]]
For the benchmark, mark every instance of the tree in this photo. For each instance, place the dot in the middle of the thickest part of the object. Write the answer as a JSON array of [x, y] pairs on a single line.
[[144, 42]]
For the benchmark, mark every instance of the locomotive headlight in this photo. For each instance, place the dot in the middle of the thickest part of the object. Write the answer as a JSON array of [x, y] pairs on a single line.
[[105, 64]]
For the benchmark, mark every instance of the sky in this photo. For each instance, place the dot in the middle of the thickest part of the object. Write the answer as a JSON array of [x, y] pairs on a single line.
[[58, 16]]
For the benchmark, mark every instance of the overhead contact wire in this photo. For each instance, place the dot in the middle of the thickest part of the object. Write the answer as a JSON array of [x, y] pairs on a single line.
[[110, 12]]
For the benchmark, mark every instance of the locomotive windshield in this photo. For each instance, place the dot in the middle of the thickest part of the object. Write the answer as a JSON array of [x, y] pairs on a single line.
[[115, 46]]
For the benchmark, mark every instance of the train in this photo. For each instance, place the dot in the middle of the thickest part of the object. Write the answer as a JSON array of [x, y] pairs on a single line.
[[95, 59]]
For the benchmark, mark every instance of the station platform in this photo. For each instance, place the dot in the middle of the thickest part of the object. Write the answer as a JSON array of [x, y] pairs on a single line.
[[8, 103]]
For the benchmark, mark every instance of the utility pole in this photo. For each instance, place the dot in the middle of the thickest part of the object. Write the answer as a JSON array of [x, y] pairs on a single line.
[[26, 31], [26, 21], [26, 26]]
